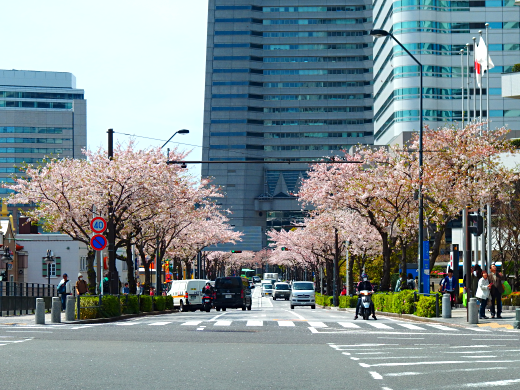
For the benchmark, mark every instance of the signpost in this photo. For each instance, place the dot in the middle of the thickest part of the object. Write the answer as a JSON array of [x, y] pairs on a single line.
[[426, 268], [98, 242]]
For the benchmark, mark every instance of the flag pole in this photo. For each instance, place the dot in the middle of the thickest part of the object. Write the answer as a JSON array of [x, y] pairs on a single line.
[[487, 82], [467, 83], [474, 78], [462, 90], [481, 82]]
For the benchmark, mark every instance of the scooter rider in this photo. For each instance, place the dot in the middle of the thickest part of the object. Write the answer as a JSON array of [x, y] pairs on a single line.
[[365, 285], [208, 290]]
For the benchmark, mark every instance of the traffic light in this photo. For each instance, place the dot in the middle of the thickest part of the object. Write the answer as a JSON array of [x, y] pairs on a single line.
[[476, 224], [284, 248], [236, 251]]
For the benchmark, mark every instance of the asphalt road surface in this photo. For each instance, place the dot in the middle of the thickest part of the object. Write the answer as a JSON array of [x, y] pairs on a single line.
[[269, 347]]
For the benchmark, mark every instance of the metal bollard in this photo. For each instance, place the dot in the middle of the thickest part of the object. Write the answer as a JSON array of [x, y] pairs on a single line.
[[446, 306], [56, 310], [40, 311], [473, 311], [69, 309], [516, 323]]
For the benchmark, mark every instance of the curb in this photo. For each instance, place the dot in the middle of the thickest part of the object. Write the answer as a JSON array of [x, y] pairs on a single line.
[[119, 318]]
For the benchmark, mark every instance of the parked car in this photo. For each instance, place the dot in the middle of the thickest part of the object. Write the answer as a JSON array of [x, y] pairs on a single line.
[[232, 292], [281, 290], [267, 288], [302, 294]]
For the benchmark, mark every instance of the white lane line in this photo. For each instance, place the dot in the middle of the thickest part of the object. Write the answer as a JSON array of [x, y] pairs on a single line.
[[160, 323], [126, 323], [411, 326], [317, 324], [255, 323], [348, 325], [200, 328], [482, 385], [379, 325], [402, 338], [285, 323], [81, 327], [192, 323], [222, 323], [479, 329], [28, 331], [445, 371], [375, 375], [441, 327], [428, 363], [296, 314], [217, 316], [313, 330], [386, 388]]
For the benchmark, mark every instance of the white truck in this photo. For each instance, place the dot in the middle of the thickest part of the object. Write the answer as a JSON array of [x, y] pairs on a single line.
[[187, 294], [271, 276]]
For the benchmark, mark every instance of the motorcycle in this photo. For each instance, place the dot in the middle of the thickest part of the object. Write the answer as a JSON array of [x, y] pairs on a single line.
[[207, 302], [366, 302]]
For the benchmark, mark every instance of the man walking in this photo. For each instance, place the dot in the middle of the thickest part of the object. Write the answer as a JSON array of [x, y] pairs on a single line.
[[81, 285], [64, 289], [497, 288]]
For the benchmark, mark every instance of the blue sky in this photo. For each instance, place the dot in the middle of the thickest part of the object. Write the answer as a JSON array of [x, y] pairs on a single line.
[[141, 63]]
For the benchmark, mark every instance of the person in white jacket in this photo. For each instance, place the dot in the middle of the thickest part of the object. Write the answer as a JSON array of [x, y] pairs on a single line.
[[64, 291], [484, 286]]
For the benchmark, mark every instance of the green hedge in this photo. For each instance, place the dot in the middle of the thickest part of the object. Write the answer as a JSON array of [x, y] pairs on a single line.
[[113, 305], [159, 303], [401, 303], [146, 303], [129, 304]]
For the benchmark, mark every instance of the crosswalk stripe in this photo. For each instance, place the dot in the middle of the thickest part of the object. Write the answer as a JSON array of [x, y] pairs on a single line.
[[441, 327], [160, 323], [348, 325], [222, 323], [379, 325], [285, 323], [255, 323], [411, 326], [126, 323], [192, 323], [317, 324]]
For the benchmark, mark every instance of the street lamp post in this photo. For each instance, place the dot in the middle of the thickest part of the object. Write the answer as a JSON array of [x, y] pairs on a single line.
[[49, 259], [158, 267], [384, 33]]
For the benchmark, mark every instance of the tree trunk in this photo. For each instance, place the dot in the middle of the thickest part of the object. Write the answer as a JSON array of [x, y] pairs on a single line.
[[436, 247], [130, 274], [351, 274], [403, 259], [329, 276], [385, 281], [91, 272]]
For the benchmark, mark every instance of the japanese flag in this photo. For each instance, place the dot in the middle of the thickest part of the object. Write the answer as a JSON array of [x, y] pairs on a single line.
[[481, 60]]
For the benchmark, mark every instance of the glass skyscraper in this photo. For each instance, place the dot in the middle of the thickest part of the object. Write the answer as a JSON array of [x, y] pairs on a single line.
[[286, 80], [434, 32]]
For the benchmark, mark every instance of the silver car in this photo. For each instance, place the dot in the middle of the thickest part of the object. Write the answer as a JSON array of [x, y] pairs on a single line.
[[267, 289], [281, 290], [302, 294]]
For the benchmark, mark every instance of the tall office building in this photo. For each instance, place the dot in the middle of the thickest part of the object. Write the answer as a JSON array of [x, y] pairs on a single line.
[[286, 80], [41, 114], [434, 32]]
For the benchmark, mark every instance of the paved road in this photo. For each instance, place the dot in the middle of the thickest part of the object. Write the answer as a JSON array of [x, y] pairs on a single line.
[[270, 346]]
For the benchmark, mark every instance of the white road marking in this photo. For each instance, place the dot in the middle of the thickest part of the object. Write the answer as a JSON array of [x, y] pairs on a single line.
[[255, 323], [348, 325], [217, 316], [222, 323], [410, 326], [375, 375], [481, 385], [192, 323], [296, 314], [81, 327], [445, 371], [379, 325], [160, 323], [317, 324], [285, 323], [427, 363], [441, 327], [126, 323], [313, 330]]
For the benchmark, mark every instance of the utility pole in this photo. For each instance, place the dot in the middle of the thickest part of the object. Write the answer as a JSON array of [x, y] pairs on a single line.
[[111, 234], [335, 276]]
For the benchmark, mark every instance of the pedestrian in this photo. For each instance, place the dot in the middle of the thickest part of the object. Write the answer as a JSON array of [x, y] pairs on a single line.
[[497, 280], [126, 289], [476, 275], [344, 291], [410, 282], [139, 289], [64, 289], [399, 283], [81, 285], [448, 287], [483, 288], [416, 287], [104, 285]]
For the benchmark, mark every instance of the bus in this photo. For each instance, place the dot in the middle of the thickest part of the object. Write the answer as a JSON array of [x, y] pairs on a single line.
[[248, 273]]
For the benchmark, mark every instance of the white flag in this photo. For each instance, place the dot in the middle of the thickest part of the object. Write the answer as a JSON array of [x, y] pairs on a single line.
[[482, 56]]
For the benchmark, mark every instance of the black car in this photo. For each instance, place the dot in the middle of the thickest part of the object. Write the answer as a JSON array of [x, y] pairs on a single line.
[[232, 292]]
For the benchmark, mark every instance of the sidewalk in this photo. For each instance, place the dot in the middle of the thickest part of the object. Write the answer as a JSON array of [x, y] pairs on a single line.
[[458, 318]]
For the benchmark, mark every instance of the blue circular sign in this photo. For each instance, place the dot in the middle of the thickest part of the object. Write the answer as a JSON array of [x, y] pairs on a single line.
[[98, 242]]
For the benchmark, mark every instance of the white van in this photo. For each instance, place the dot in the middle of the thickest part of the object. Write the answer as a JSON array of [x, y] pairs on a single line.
[[187, 294]]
